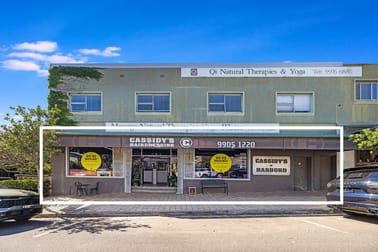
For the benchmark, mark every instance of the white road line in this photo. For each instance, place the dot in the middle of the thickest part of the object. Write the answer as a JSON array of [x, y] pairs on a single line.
[[324, 226], [53, 230], [80, 207]]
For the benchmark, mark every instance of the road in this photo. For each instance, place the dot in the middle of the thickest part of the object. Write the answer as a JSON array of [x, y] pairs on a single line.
[[321, 233]]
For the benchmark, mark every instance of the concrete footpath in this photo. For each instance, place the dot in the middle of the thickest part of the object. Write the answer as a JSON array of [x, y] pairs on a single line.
[[208, 204]]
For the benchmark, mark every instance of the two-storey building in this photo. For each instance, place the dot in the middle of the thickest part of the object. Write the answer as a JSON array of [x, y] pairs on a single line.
[[217, 98]]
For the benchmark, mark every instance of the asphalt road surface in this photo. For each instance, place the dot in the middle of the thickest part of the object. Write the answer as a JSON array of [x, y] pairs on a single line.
[[322, 233]]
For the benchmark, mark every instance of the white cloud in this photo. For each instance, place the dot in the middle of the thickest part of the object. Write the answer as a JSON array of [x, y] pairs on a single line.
[[39, 46], [21, 65], [28, 55], [24, 66], [43, 72], [37, 56], [110, 51], [56, 58], [90, 51]]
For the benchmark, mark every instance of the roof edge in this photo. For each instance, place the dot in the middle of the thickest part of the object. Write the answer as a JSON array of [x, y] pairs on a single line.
[[199, 65]]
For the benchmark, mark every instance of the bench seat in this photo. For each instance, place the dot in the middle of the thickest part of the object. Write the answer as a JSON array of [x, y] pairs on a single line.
[[214, 183]]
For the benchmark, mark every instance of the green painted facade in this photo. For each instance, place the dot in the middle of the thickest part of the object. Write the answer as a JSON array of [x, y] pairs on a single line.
[[334, 97]]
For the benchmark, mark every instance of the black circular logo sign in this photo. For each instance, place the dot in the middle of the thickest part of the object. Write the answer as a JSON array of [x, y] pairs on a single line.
[[186, 142]]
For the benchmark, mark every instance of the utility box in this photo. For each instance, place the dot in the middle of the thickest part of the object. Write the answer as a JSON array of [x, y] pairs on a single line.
[[192, 190]]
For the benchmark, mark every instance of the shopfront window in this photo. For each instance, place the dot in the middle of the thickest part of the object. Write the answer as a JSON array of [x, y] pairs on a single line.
[[213, 163], [90, 162]]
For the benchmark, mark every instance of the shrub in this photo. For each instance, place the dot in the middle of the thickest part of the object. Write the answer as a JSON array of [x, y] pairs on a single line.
[[27, 184]]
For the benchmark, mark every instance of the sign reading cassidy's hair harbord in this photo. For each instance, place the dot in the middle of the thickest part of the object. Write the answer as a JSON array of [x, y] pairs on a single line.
[[225, 72], [271, 165]]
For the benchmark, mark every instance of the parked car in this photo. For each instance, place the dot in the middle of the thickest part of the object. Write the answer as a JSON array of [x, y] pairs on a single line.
[[238, 172], [19, 205], [201, 172], [360, 191]]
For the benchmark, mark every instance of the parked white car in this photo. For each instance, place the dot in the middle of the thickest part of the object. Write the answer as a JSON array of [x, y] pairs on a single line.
[[19, 205]]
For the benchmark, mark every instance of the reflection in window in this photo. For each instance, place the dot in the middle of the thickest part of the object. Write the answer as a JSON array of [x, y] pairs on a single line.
[[294, 103], [153, 103], [367, 91], [238, 168], [225, 103], [90, 162], [85, 103]]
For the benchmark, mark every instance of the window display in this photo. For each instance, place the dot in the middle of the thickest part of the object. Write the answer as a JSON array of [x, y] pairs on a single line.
[[90, 162], [215, 163]]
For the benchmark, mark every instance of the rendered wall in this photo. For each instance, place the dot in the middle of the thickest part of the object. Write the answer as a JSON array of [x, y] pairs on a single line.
[[333, 97]]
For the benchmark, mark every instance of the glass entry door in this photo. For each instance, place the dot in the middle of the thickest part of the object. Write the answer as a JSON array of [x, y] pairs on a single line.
[[153, 168]]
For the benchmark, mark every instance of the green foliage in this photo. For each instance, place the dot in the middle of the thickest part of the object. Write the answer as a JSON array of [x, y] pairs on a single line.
[[366, 140], [19, 145], [172, 179], [57, 99], [27, 184], [57, 73], [136, 173]]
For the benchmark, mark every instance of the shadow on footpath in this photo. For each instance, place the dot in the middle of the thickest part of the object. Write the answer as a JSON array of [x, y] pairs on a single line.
[[70, 226], [13, 227]]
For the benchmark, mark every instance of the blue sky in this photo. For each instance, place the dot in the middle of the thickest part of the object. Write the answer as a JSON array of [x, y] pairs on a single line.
[[34, 34]]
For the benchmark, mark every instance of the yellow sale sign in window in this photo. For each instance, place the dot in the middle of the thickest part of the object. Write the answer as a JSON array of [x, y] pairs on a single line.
[[91, 161], [220, 163]]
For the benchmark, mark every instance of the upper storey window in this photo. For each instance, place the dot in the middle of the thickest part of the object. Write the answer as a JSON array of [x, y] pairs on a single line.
[[85, 103], [159, 102], [367, 91], [294, 103], [225, 103]]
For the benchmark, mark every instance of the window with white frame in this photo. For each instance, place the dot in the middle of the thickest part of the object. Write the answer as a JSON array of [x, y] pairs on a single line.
[[85, 102], [90, 161], [234, 164], [159, 102], [367, 91], [294, 103], [225, 103]]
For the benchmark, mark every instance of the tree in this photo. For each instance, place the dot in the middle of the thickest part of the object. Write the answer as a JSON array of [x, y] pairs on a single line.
[[367, 140], [19, 140]]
